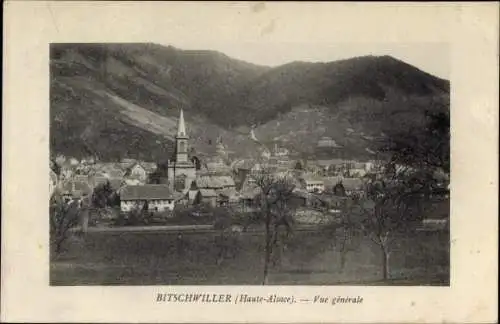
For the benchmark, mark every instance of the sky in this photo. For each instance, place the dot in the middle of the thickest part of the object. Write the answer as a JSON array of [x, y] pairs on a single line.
[[274, 33], [432, 58]]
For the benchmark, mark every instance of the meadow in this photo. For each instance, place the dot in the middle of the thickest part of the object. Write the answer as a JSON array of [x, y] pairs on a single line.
[[311, 257]]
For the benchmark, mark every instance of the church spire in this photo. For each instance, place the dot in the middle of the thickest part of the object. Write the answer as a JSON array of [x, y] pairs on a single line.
[[181, 128]]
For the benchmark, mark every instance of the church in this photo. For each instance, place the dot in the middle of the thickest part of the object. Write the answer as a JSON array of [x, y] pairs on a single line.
[[181, 170]]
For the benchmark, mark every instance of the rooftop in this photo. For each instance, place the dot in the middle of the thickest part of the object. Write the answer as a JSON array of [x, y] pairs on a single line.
[[311, 178], [214, 181], [208, 193], [348, 183], [147, 192], [76, 188]]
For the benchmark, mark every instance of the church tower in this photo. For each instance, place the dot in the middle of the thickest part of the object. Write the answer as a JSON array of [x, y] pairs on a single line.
[[181, 141], [181, 170]]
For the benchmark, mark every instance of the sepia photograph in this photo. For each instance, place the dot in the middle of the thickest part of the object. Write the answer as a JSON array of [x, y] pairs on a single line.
[[249, 162], [192, 167]]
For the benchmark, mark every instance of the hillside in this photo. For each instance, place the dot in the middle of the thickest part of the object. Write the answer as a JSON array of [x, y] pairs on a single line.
[[119, 100], [123, 99]]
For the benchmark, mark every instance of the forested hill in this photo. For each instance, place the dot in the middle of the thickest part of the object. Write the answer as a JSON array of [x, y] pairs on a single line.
[[119, 100]]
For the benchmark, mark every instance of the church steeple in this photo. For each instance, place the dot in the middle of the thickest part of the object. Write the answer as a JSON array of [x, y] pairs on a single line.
[[181, 141], [181, 127], [181, 168]]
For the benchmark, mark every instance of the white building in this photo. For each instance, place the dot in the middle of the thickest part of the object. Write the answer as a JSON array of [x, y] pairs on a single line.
[[137, 171], [158, 198], [327, 142], [312, 183]]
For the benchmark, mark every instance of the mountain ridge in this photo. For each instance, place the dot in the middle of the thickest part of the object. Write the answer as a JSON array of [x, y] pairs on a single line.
[[223, 97]]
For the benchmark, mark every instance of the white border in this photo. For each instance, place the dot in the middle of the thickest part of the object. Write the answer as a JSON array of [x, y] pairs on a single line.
[[472, 29]]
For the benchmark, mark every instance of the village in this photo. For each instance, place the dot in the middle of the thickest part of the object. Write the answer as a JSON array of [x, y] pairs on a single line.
[[268, 214], [323, 185]]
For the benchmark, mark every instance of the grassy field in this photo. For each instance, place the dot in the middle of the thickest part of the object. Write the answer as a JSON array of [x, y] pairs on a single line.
[[311, 258]]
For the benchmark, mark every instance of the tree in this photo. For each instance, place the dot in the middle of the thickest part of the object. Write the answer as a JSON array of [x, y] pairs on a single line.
[[422, 148], [389, 208], [276, 211], [414, 155], [386, 213], [55, 167], [139, 214], [339, 189], [298, 166], [102, 196], [197, 162], [344, 232], [160, 174], [180, 182], [227, 239], [63, 216]]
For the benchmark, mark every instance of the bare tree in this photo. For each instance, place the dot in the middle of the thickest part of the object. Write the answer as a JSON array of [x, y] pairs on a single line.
[[63, 216], [346, 241], [415, 155], [387, 213], [343, 228], [224, 240], [139, 214], [276, 210]]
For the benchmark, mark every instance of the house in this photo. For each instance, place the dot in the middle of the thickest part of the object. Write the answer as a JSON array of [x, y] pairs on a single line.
[[111, 170], [300, 197], [332, 202], [66, 171], [227, 182], [280, 151], [157, 197], [208, 196], [127, 163], [245, 164], [217, 183], [228, 196], [312, 167], [216, 162], [75, 190], [74, 162], [265, 153], [149, 167], [357, 169], [312, 183], [353, 186], [88, 160], [137, 171], [249, 198], [83, 169], [133, 182], [327, 142], [81, 177], [217, 167], [97, 179]]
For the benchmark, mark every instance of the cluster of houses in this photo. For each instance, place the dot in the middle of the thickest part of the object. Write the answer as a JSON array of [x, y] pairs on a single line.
[[213, 181]]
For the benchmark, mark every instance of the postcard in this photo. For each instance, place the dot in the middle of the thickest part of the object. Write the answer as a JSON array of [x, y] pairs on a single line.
[[256, 162]]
